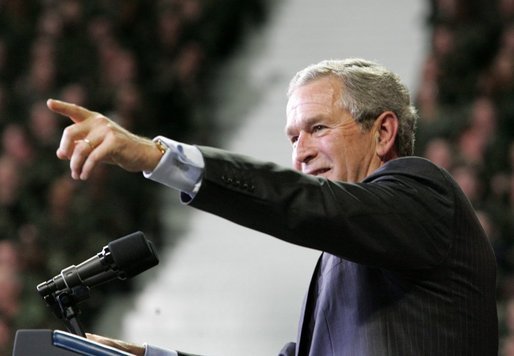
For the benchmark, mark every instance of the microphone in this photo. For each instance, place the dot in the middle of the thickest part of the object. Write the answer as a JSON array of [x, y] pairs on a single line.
[[122, 258]]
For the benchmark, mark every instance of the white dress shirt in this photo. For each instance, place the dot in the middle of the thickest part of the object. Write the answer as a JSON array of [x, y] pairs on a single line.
[[181, 167]]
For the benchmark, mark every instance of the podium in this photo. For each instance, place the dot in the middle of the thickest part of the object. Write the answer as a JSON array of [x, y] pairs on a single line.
[[59, 343]]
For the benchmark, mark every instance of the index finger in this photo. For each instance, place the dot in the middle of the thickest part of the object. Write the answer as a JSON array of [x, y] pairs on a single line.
[[74, 112]]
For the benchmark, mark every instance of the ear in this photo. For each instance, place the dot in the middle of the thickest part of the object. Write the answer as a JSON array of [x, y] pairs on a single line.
[[385, 131]]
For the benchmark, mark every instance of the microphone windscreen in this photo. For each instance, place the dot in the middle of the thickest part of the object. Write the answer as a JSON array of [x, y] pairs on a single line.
[[132, 254]]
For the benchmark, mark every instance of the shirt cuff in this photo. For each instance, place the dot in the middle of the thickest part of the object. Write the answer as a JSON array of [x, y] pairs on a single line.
[[181, 167], [151, 350]]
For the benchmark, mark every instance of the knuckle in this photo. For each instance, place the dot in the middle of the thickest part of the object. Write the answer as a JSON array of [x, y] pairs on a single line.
[[68, 131]]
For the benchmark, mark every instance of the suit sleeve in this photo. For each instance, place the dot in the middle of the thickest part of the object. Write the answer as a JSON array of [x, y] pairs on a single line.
[[397, 221]]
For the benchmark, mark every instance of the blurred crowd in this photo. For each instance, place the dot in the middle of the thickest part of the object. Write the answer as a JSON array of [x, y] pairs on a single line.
[[147, 65], [466, 103]]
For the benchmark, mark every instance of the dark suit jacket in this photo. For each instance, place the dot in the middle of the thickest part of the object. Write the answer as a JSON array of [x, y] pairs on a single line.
[[406, 268]]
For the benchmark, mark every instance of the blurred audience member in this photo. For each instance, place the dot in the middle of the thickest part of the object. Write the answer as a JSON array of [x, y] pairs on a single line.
[[118, 57]]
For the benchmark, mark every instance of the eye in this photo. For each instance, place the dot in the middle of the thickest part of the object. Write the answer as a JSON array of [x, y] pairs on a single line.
[[318, 128], [293, 139]]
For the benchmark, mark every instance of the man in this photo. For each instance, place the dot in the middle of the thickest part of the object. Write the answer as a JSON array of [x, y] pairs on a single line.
[[406, 268]]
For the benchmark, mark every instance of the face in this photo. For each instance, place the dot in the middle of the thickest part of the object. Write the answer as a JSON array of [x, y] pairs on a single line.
[[326, 140]]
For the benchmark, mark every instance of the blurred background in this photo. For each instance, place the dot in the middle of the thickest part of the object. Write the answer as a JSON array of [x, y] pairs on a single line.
[[215, 73]]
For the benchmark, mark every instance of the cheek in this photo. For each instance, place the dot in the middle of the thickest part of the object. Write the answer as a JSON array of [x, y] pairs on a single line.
[[354, 144], [339, 151], [336, 147]]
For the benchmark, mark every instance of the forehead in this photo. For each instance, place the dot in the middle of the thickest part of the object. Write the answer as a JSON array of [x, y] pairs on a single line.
[[322, 91], [317, 98]]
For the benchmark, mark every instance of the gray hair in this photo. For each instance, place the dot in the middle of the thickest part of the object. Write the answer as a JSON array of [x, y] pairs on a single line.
[[369, 89]]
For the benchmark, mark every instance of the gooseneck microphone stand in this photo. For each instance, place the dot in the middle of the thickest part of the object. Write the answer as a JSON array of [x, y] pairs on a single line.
[[63, 304]]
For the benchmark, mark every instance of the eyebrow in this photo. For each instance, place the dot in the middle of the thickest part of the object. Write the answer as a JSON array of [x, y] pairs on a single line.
[[306, 123]]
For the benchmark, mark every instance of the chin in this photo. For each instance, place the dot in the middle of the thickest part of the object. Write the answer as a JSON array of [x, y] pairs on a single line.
[[337, 178], [329, 176]]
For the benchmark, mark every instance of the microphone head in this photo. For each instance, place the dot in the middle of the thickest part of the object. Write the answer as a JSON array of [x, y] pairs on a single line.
[[132, 254]]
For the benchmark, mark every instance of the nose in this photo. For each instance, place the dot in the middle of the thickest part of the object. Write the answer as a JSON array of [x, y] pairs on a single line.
[[304, 150]]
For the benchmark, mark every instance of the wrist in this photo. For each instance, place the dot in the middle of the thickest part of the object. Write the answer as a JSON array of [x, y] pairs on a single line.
[[155, 150]]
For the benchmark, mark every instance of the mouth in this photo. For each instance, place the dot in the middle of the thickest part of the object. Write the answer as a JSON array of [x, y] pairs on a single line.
[[318, 172]]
